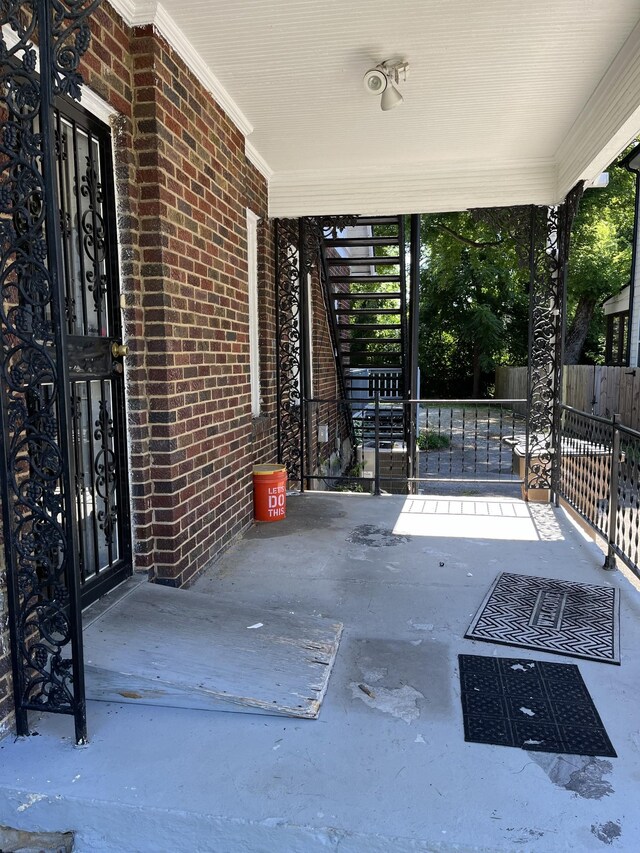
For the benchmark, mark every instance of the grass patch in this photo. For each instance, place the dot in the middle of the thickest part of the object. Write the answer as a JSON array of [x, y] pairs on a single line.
[[430, 440]]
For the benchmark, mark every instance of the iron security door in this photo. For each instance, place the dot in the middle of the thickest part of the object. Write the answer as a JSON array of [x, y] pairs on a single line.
[[94, 351]]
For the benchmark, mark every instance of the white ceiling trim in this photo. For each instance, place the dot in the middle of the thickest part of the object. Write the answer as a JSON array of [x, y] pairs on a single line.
[[417, 188], [145, 12], [254, 156], [608, 122]]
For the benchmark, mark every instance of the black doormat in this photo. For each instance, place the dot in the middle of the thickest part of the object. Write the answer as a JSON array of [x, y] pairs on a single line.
[[562, 617], [530, 704]]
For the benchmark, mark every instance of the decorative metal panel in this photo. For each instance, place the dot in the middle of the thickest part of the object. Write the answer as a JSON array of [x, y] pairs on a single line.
[[298, 253], [289, 354], [545, 327], [89, 252], [40, 546], [550, 236]]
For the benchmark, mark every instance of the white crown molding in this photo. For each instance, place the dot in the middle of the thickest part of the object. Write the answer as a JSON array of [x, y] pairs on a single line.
[[138, 13], [412, 188], [96, 105], [254, 156], [135, 13], [608, 122]]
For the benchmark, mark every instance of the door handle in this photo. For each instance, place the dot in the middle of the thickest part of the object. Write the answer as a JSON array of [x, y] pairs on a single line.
[[119, 350]]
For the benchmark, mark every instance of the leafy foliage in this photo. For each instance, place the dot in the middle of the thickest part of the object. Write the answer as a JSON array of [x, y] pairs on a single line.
[[430, 440], [599, 263], [474, 291], [377, 353], [473, 305]]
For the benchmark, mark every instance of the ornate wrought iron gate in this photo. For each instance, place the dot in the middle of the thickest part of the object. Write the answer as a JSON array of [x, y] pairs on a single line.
[[40, 54], [290, 335], [94, 351], [549, 237], [297, 255]]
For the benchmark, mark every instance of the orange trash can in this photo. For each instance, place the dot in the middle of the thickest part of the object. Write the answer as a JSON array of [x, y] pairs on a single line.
[[269, 492]]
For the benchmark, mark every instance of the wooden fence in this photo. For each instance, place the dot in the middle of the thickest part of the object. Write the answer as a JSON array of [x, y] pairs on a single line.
[[599, 390]]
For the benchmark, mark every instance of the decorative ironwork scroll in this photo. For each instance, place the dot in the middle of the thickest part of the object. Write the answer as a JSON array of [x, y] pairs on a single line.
[[298, 253], [105, 469], [545, 327], [289, 352], [549, 241], [37, 502], [564, 222]]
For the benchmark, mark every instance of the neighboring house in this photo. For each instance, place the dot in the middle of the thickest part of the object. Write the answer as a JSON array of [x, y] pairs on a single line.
[[623, 320], [616, 312]]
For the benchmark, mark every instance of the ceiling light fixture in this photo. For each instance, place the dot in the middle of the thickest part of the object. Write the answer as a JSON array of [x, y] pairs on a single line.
[[383, 80]]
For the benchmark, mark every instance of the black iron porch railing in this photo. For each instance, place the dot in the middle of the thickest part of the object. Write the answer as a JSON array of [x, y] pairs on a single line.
[[471, 440], [390, 444], [599, 477], [403, 446]]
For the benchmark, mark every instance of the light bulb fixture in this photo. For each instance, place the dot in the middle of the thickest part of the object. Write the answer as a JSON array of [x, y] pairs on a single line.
[[391, 98], [383, 80]]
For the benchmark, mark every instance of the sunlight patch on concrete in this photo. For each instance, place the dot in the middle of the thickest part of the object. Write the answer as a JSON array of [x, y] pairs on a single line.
[[473, 518]]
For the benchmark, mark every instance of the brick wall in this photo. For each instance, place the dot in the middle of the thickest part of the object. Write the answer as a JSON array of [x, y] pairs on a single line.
[[194, 186], [183, 186]]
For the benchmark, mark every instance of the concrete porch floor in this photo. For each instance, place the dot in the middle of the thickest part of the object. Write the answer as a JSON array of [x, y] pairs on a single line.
[[383, 773]]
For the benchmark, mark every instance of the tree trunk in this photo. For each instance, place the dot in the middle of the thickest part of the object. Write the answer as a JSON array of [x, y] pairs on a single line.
[[577, 333]]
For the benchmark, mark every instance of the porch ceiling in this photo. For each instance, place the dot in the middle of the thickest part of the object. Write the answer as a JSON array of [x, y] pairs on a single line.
[[505, 103]]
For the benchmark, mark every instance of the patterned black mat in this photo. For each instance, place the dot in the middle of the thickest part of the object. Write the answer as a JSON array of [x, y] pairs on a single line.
[[566, 618], [530, 704]]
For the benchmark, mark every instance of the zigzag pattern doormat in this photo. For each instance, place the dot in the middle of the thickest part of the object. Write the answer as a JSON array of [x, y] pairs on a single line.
[[556, 616], [530, 704]]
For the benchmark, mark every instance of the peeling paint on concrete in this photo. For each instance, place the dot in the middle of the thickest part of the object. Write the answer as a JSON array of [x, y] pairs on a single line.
[[524, 835], [31, 799], [420, 626], [401, 702], [580, 774], [607, 832], [376, 537], [374, 674]]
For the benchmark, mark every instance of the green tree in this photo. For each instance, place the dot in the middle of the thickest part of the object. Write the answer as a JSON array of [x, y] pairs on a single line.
[[474, 292], [473, 305], [381, 353], [599, 263]]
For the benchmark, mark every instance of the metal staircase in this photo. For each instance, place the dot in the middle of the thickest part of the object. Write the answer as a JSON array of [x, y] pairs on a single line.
[[367, 290], [365, 275]]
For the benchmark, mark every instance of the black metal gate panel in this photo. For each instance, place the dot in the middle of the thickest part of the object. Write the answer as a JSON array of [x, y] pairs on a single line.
[[94, 349], [297, 255], [41, 43]]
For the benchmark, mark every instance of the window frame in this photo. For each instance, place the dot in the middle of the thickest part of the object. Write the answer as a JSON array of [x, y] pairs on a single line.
[[254, 315]]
